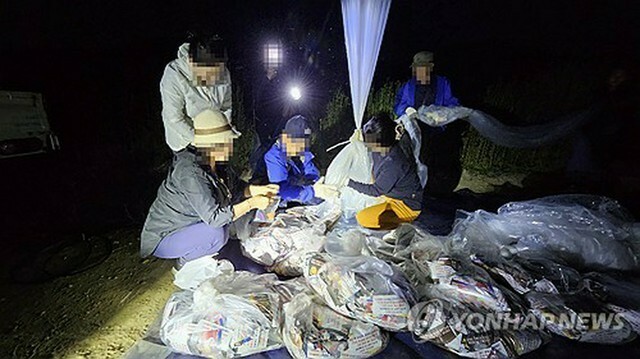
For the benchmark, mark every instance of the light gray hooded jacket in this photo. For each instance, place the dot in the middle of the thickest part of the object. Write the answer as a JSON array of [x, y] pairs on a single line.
[[182, 101]]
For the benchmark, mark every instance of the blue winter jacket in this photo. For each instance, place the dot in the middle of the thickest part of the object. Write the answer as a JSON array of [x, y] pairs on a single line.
[[296, 178], [406, 95]]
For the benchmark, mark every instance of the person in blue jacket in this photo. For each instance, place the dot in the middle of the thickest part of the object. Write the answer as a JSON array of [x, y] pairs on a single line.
[[290, 165], [441, 145], [424, 88]]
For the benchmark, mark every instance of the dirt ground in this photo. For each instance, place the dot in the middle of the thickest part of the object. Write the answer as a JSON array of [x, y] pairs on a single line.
[[99, 313]]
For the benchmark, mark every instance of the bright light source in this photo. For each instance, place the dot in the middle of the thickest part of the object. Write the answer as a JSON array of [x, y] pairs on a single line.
[[273, 55], [295, 93]]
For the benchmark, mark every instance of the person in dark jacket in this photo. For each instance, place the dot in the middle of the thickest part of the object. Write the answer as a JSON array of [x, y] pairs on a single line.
[[192, 212], [290, 165], [271, 108], [441, 145], [395, 179]]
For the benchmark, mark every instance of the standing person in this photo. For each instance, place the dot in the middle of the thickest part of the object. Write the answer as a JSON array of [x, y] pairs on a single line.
[[191, 215], [270, 108], [290, 165], [395, 179], [441, 146], [196, 81]]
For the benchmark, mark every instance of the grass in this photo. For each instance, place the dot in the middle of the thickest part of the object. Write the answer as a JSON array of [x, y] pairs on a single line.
[[538, 96], [243, 146]]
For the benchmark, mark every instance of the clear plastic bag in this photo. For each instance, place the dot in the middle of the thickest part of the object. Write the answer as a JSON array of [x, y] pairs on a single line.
[[230, 316], [584, 232], [268, 214], [284, 244], [345, 243], [391, 246], [619, 295], [197, 271], [313, 330], [540, 275], [290, 288], [458, 282], [438, 271], [363, 288], [577, 317], [445, 325], [353, 162]]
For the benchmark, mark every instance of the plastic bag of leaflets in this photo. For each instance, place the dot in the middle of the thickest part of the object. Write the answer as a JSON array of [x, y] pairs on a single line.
[[284, 243], [557, 296], [583, 232], [521, 275], [232, 315], [390, 246], [580, 317], [461, 329], [313, 330], [454, 289], [441, 272], [363, 288], [620, 296], [525, 275]]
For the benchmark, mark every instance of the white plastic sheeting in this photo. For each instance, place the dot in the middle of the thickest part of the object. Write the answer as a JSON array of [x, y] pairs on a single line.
[[353, 162], [411, 127], [364, 23], [509, 136]]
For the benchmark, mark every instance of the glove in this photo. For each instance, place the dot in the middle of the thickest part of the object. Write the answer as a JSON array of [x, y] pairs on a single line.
[[324, 191], [410, 112]]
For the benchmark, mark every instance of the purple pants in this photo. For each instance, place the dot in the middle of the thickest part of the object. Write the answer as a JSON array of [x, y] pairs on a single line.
[[198, 240], [192, 242]]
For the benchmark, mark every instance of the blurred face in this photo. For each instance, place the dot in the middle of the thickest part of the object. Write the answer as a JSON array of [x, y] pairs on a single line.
[[294, 146], [423, 73], [218, 152], [374, 144], [273, 56], [207, 75]]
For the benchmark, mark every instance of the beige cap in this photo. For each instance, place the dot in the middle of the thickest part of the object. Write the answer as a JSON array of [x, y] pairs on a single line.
[[422, 58], [212, 127]]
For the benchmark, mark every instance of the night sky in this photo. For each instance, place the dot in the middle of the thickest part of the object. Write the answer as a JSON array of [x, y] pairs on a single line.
[[57, 47]]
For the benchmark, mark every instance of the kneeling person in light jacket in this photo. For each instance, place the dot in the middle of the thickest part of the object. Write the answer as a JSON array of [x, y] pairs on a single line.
[[194, 208]]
